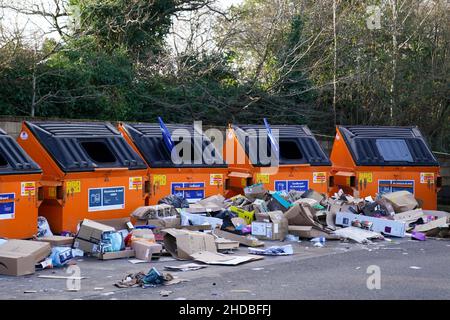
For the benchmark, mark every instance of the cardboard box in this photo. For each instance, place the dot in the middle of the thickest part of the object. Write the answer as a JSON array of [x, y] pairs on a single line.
[[311, 194], [401, 200], [385, 226], [223, 259], [118, 224], [255, 191], [18, 257], [127, 253], [90, 235], [430, 226], [309, 232], [262, 217], [245, 241], [144, 250], [57, 241], [302, 214], [16, 264], [182, 243], [142, 234], [162, 223], [226, 244], [275, 228], [285, 204], [210, 204], [154, 212]]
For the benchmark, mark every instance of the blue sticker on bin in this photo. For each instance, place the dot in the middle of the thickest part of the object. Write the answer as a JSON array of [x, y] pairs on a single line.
[[7, 206], [191, 191], [288, 185], [387, 186], [102, 199]]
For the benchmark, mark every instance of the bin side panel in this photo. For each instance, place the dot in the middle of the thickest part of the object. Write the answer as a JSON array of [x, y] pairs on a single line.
[[18, 206]]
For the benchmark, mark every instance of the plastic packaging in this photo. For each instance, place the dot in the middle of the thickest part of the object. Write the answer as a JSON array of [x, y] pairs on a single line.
[[43, 228], [153, 277], [112, 242], [197, 220], [319, 241], [291, 237], [418, 236], [61, 256], [175, 201], [273, 251]]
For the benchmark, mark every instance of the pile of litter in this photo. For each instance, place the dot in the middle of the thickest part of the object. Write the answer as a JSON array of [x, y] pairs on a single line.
[[211, 231]]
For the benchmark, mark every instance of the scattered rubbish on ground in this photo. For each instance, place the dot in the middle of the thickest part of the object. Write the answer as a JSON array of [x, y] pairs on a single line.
[[415, 268], [153, 278], [318, 242], [61, 277], [222, 259], [292, 238], [165, 293], [213, 231], [185, 267], [273, 251], [137, 261], [357, 234]]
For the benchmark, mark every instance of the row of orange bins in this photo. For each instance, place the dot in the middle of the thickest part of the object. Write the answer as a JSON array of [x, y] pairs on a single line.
[[68, 171]]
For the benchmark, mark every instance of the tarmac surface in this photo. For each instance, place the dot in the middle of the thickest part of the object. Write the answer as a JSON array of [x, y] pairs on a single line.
[[408, 269]]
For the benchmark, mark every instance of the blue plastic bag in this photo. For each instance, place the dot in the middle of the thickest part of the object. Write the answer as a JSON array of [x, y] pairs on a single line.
[[61, 256], [112, 242]]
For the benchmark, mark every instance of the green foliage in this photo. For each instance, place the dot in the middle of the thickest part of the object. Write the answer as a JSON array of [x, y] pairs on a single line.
[[274, 59], [138, 25]]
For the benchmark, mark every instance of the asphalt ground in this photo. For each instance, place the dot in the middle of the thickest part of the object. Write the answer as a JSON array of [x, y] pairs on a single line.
[[399, 269]]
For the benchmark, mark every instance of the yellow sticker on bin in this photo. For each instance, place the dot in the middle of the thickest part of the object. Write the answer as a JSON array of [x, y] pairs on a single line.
[[319, 177], [367, 176], [135, 183], [426, 177], [73, 186], [262, 178], [159, 179], [28, 188]]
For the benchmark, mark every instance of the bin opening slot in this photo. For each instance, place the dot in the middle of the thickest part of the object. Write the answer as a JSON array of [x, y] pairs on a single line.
[[98, 151], [3, 162], [41, 194], [331, 181], [439, 182], [290, 150], [188, 145]]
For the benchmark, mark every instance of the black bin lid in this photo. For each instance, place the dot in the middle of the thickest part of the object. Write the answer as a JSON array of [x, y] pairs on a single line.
[[387, 146], [149, 140], [296, 142], [85, 146], [13, 159]]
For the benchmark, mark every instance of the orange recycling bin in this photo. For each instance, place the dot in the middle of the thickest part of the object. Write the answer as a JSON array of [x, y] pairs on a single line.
[[199, 174], [20, 193], [89, 171], [298, 163], [370, 160]]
